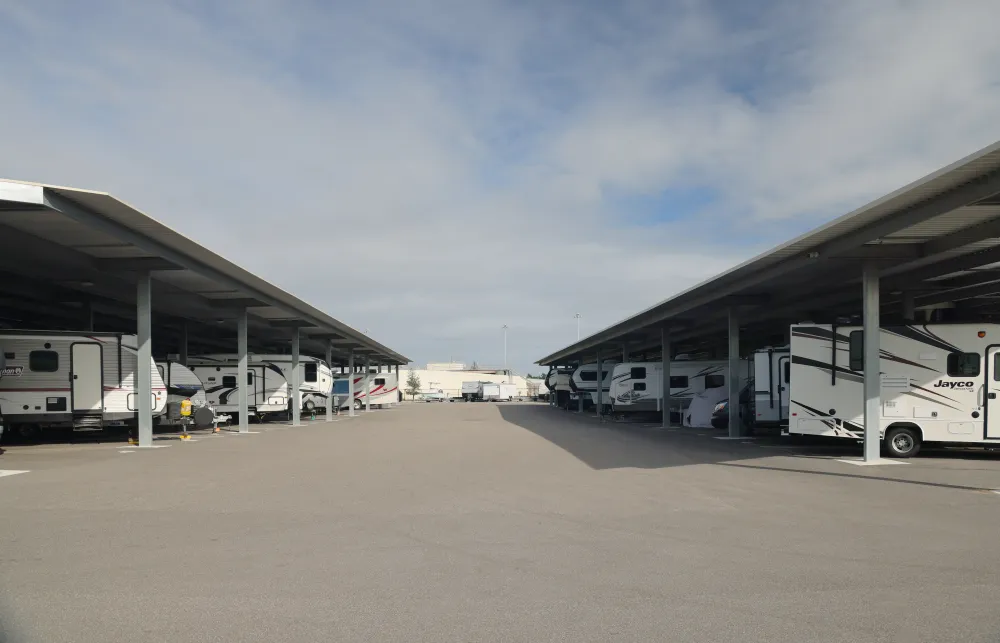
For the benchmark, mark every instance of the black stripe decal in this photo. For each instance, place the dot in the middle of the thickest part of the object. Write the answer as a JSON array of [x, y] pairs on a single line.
[[842, 373]]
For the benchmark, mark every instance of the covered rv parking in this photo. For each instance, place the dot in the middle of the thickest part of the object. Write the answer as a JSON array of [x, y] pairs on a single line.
[[928, 252], [84, 261]]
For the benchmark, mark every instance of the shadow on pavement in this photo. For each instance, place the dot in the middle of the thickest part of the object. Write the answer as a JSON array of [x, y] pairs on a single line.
[[612, 445]]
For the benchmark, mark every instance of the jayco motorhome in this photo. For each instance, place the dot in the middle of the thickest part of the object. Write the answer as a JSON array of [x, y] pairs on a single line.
[[71, 380], [939, 383], [636, 386]]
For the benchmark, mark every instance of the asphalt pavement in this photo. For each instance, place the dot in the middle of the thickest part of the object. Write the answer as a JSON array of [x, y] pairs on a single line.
[[493, 522]]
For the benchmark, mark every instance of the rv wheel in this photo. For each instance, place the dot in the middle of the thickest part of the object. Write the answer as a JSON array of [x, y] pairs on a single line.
[[28, 431], [309, 406], [358, 405], [902, 442]]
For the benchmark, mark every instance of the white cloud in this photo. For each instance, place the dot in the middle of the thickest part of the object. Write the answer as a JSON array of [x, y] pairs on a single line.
[[452, 163]]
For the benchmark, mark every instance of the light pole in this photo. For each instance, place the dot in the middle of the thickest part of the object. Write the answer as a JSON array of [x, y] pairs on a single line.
[[577, 326], [505, 352]]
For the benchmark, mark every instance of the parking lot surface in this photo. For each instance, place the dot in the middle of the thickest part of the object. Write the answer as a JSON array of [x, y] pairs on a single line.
[[486, 522]]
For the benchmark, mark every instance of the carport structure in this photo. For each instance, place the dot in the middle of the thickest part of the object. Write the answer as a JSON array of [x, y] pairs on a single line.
[[933, 245], [75, 259]]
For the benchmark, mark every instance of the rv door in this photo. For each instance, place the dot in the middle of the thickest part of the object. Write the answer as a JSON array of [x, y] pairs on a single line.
[[784, 371], [992, 394], [86, 378]]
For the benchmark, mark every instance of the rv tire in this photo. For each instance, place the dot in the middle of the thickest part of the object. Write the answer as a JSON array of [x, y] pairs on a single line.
[[309, 406], [28, 431], [902, 441], [358, 405]]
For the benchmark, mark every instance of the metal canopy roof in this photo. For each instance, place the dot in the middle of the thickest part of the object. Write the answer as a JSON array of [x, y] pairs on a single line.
[[66, 254], [936, 240]]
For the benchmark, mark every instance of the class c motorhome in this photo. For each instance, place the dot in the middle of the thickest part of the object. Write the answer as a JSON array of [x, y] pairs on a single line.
[[71, 380], [375, 389], [939, 383]]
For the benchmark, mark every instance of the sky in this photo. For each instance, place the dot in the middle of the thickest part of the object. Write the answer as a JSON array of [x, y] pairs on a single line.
[[431, 170]]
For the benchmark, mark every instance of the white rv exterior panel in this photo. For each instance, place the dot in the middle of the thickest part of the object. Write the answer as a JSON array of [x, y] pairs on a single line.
[[942, 378], [637, 386]]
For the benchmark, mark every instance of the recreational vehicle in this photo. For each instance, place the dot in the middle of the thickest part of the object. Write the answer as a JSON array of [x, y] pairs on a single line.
[[503, 392], [636, 386], [267, 388], [771, 380], [379, 388], [470, 391], [939, 383], [557, 382], [315, 378], [182, 384], [69, 380], [583, 383]]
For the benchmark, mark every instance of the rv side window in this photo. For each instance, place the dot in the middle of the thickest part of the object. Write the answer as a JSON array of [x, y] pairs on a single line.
[[379, 381], [678, 381], [715, 381], [788, 369], [638, 386], [249, 377], [43, 361], [963, 365], [310, 371], [857, 351], [639, 373], [996, 367], [229, 381], [588, 376]]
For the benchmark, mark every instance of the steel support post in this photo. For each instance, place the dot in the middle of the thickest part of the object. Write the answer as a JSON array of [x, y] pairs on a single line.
[[350, 385], [243, 371], [143, 371], [366, 385], [329, 398], [600, 387], [734, 373], [873, 402], [665, 376], [293, 382]]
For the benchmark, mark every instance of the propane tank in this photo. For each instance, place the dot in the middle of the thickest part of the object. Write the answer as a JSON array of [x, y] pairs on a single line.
[[185, 408]]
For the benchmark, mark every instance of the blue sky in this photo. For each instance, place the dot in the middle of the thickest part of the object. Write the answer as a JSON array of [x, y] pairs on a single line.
[[512, 162]]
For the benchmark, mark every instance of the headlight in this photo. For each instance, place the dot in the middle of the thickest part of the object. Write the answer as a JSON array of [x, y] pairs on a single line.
[[719, 407]]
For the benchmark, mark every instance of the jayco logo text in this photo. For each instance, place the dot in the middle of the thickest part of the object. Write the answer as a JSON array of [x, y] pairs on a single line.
[[943, 384]]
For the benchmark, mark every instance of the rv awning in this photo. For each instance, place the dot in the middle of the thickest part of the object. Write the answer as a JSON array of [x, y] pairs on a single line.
[[936, 240], [67, 253]]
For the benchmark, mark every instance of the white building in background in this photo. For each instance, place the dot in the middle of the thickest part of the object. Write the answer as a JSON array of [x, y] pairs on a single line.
[[447, 378]]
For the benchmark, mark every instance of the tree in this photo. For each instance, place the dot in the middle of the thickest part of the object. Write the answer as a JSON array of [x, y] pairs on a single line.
[[412, 384]]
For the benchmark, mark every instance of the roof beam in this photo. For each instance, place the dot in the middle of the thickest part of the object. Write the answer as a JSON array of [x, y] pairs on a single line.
[[290, 323], [136, 264], [985, 230], [237, 303]]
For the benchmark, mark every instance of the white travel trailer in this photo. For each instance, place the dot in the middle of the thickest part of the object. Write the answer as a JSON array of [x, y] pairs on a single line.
[[267, 388], [71, 380], [315, 377], [470, 390], [376, 389], [182, 384], [771, 378], [558, 381], [503, 392], [583, 383], [636, 386], [939, 383]]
